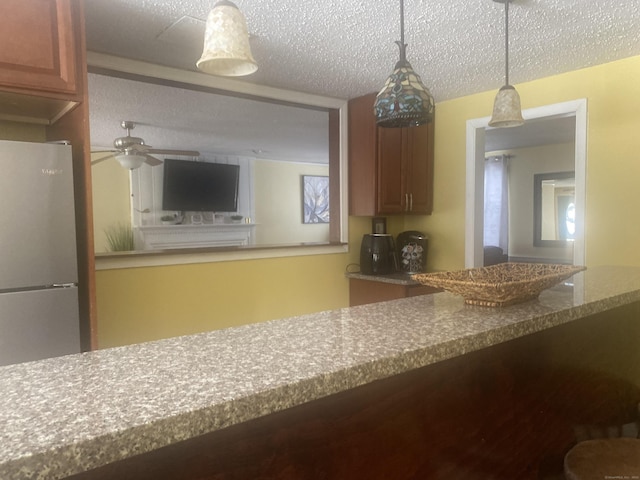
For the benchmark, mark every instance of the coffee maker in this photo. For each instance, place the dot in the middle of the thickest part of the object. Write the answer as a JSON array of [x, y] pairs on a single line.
[[412, 251], [378, 254]]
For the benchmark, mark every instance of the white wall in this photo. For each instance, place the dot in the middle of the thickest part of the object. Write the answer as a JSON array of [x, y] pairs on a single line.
[[526, 162]]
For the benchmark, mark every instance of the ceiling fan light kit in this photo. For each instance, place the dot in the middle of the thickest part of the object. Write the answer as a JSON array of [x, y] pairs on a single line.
[[130, 160], [403, 101], [226, 43], [507, 111], [133, 152]]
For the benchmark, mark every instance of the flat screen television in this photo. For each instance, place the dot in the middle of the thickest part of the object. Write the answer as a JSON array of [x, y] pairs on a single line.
[[200, 186]]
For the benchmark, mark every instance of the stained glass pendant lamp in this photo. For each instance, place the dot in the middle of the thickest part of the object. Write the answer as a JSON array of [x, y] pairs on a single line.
[[404, 101], [506, 107], [226, 43]]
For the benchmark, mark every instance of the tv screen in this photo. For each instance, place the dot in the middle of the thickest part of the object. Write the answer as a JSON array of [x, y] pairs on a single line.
[[200, 186]]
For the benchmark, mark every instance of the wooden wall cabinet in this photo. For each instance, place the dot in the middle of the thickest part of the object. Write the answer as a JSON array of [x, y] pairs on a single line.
[[390, 169], [40, 64], [38, 48], [43, 82]]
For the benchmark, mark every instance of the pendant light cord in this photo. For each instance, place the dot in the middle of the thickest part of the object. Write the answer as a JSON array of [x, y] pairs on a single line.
[[506, 41], [402, 22], [403, 47]]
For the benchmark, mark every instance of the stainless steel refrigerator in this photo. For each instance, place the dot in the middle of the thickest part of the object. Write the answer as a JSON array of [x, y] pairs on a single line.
[[39, 316]]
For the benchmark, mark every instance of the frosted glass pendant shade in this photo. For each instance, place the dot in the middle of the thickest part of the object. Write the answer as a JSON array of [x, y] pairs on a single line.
[[226, 43], [506, 109], [130, 160]]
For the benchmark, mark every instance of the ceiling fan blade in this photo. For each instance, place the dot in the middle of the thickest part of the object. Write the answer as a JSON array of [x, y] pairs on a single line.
[[153, 161], [102, 159], [186, 153], [138, 148]]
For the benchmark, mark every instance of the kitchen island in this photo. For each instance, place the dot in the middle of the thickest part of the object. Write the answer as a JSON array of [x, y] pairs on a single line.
[[422, 387]]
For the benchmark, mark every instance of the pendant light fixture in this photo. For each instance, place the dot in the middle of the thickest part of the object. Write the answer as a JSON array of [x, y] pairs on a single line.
[[226, 43], [404, 101], [506, 107]]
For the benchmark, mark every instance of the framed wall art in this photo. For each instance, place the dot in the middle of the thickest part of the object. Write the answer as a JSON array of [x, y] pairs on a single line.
[[315, 199]]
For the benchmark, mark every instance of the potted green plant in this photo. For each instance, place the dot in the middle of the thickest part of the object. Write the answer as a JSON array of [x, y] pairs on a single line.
[[119, 237]]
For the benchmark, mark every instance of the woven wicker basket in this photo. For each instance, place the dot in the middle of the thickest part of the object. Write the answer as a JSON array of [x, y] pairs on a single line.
[[500, 285]]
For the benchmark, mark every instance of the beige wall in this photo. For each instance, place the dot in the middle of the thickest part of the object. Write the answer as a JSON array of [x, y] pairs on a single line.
[[147, 303], [524, 164], [278, 207]]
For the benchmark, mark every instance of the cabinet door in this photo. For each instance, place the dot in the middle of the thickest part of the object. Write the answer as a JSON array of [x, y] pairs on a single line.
[[419, 168], [37, 45], [362, 156], [392, 196]]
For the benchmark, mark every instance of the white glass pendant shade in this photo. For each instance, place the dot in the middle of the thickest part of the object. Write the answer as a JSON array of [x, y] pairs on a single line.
[[226, 43], [506, 109], [130, 160]]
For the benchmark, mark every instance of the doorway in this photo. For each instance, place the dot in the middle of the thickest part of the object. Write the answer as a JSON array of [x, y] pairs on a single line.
[[474, 203]]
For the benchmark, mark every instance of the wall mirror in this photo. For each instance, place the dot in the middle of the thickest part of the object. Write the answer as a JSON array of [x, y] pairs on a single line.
[[275, 136], [554, 209]]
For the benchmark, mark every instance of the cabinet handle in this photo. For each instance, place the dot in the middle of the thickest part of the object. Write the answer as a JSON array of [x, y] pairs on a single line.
[[411, 202], [406, 202]]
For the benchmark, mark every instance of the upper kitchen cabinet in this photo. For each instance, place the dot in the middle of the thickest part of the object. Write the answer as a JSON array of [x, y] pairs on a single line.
[[38, 60], [390, 169]]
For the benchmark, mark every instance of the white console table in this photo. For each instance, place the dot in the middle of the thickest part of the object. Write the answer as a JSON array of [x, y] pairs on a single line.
[[184, 236]]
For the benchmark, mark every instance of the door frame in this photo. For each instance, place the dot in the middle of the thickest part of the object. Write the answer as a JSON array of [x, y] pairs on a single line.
[[474, 196]]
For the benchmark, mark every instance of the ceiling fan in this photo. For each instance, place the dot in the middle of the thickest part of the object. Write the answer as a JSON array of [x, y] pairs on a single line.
[[132, 152]]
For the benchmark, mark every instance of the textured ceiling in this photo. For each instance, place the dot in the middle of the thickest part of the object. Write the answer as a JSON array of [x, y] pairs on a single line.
[[167, 117], [345, 48]]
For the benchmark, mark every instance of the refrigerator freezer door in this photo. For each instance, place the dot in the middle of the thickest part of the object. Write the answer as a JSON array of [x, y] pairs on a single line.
[[38, 237], [38, 324]]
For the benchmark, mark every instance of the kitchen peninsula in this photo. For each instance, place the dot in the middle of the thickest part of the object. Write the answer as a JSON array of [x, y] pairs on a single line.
[[422, 387]]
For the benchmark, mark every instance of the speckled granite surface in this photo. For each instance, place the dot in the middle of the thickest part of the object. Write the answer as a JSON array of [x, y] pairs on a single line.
[[70, 414]]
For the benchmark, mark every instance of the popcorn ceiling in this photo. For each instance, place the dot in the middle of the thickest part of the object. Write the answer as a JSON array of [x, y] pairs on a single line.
[[346, 48]]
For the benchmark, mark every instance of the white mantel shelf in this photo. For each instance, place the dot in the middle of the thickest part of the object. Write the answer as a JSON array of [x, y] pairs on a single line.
[[204, 235]]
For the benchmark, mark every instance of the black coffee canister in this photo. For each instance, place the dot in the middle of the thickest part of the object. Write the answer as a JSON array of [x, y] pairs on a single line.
[[412, 251], [377, 254]]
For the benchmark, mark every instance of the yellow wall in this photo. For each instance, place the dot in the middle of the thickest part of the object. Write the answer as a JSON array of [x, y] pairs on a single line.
[[22, 132], [146, 303], [140, 304], [613, 165], [111, 192]]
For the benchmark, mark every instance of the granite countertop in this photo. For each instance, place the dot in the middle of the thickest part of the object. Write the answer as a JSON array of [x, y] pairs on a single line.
[[70, 414]]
